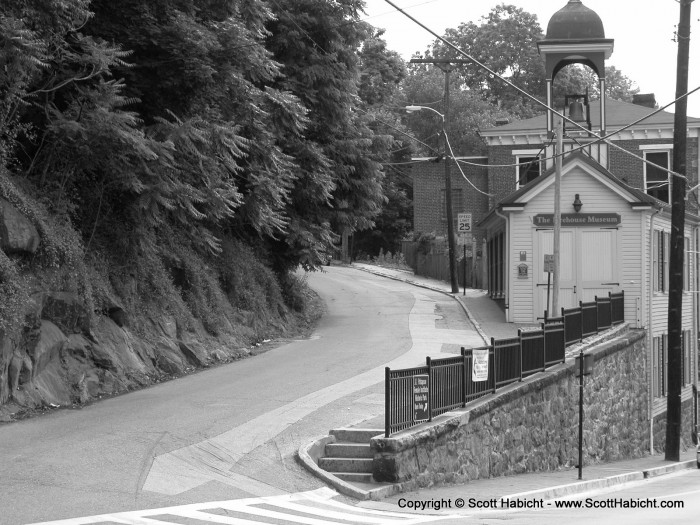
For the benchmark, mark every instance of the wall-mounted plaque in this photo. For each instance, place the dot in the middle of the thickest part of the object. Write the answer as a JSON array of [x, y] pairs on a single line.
[[522, 271]]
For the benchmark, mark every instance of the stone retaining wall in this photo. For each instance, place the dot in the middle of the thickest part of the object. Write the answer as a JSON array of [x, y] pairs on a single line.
[[687, 424], [530, 426]]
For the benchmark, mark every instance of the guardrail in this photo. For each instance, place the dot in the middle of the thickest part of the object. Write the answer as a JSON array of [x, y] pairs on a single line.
[[415, 395]]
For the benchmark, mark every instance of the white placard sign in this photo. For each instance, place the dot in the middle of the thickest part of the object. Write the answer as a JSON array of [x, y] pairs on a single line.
[[464, 222], [480, 365]]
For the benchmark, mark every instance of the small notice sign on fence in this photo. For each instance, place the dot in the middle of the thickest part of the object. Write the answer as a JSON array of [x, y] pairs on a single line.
[[480, 365], [420, 397]]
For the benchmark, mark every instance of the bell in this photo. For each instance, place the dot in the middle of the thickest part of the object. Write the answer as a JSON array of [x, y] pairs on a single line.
[[576, 111]]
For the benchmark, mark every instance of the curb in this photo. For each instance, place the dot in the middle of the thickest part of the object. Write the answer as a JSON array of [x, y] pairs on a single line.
[[305, 457], [470, 316], [601, 483], [668, 469]]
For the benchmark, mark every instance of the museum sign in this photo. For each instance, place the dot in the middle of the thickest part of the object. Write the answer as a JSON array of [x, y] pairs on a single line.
[[578, 219]]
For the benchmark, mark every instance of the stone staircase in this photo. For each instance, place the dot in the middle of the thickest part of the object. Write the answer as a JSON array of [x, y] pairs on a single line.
[[349, 457]]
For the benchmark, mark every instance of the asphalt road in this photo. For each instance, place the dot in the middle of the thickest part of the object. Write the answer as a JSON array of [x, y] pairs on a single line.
[[228, 432]]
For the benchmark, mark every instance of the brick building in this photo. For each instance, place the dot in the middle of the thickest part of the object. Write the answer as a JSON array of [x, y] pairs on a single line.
[[615, 205], [429, 192]]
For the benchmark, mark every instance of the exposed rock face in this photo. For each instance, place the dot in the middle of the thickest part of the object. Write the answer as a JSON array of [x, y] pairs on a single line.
[[194, 352], [47, 348], [17, 233], [65, 357], [67, 311], [71, 352]]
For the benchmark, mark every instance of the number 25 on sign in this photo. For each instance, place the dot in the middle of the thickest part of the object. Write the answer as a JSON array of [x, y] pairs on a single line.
[[464, 222]]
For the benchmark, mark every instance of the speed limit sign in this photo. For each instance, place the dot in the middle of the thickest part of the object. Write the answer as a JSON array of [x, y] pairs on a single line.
[[464, 222]]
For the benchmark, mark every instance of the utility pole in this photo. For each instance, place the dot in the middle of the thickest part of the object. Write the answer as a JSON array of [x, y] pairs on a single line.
[[446, 66], [675, 293], [557, 214]]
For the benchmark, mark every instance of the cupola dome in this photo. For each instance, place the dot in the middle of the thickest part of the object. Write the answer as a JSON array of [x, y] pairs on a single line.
[[575, 21]]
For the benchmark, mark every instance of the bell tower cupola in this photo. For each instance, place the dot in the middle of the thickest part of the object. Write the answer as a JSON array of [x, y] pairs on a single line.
[[575, 35]]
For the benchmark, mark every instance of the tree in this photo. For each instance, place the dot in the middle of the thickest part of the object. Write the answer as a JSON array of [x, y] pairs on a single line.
[[505, 41], [577, 79], [424, 86], [382, 71], [339, 181]]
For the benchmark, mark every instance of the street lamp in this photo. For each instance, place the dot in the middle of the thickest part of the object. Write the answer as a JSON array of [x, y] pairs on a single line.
[[448, 201], [411, 109]]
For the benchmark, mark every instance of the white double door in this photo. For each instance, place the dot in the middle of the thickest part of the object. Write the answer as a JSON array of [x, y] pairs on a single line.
[[587, 265]]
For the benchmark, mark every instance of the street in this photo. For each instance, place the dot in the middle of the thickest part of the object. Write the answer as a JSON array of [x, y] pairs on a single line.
[[229, 432]]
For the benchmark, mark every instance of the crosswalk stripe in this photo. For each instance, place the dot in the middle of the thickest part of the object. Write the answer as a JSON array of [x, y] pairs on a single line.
[[330, 513], [215, 518], [306, 508], [317, 496]]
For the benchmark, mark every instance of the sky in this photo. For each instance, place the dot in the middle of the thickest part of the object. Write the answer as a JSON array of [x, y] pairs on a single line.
[[643, 31]]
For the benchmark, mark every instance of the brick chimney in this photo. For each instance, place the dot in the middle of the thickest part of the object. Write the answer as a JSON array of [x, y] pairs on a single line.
[[647, 100]]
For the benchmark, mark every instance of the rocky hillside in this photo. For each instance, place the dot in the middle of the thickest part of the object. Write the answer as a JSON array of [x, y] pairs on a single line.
[[68, 340]]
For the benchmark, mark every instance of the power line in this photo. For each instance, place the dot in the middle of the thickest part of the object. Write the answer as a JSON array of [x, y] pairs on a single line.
[[399, 130], [447, 141], [525, 93]]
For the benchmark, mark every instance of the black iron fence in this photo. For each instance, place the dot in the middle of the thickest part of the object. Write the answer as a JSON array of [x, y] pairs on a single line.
[[415, 395]]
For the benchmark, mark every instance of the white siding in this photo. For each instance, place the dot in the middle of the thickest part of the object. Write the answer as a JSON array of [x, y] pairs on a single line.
[[659, 308], [596, 198]]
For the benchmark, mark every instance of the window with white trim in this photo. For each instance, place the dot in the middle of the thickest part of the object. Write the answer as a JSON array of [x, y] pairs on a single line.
[[657, 179], [528, 167], [660, 258], [686, 265], [659, 362], [659, 365], [686, 343]]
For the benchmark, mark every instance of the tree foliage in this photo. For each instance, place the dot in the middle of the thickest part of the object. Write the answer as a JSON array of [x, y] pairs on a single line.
[[468, 112], [339, 178], [165, 131], [505, 40]]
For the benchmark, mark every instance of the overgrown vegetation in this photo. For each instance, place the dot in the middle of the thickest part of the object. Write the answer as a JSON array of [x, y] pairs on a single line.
[[185, 157]]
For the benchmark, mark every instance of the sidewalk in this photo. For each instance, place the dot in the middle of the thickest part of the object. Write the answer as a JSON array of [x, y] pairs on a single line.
[[486, 316], [489, 320], [549, 485]]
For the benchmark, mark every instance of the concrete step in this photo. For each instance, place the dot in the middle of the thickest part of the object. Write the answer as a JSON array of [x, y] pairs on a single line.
[[356, 435], [349, 450], [354, 477], [346, 464]]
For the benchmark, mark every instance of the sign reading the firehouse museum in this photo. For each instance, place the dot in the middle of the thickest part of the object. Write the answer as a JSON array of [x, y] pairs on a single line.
[[578, 219], [420, 397], [480, 365]]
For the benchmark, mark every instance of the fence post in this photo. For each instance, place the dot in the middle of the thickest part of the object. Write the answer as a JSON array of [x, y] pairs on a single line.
[[464, 378], [430, 388], [492, 353], [563, 320], [387, 401], [597, 316], [495, 363], [520, 356]]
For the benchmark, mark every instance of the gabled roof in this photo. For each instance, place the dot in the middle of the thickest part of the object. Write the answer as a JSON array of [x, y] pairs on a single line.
[[632, 195], [618, 114], [635, 194]]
